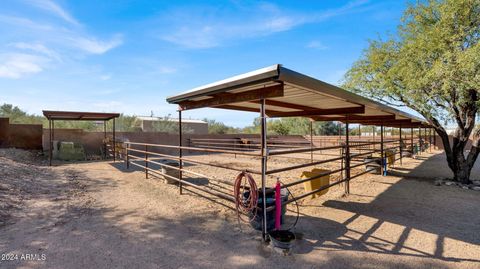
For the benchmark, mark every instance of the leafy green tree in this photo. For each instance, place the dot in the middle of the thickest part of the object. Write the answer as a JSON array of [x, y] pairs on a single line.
[[126, 123], [328, 128], [431, 65], [17, 115], [215, 127]]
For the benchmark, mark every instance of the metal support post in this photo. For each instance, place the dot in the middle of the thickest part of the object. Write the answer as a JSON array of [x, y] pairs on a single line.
[[180, 153], [401, 145], [311, 141], [146, 161], [264, 166], [114, 143], [347, 158], [382, 154]]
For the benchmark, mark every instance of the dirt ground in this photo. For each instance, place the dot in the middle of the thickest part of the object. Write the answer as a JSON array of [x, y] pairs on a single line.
[[99, 215]]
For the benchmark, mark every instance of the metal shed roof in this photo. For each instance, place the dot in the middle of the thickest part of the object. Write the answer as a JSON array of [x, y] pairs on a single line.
[[289, 94], [76, 115]]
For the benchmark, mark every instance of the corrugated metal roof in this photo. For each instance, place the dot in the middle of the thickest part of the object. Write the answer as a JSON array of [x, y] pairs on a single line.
[[77, 115], [301, 94]]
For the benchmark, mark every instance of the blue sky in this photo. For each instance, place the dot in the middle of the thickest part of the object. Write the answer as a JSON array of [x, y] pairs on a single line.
[[128, 56]]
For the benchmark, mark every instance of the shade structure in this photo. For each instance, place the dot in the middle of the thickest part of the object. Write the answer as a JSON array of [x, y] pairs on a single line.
[[52, 116], [291, 94], [76, 115]]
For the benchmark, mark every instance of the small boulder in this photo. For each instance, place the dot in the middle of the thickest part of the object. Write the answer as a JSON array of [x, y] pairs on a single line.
[[450, 183], [476, 188]]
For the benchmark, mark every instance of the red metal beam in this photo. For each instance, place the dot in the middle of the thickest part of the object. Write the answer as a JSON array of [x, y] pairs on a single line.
[[352, 118], [315, 112], [226, 99], [285, 105]]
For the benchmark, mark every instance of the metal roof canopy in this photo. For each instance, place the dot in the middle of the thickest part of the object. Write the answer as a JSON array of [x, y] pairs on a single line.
[[52, 116], [291, 94], [76, 115]]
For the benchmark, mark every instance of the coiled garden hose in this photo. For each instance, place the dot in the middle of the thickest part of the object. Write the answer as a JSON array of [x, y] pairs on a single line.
[[245, 204]]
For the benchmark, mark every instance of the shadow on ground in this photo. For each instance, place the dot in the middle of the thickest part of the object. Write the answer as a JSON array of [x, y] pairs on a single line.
[[109, 237]]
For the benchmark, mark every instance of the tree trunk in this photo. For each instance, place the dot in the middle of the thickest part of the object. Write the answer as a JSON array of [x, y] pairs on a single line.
[[462, 171], [460, 165]]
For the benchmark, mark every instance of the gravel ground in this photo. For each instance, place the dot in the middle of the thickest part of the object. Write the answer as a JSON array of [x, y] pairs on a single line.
[[99, 215]]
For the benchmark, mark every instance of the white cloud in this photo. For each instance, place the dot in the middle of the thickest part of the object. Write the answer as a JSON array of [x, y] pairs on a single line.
[[33, 45], [316, 45], [25, 23], [16, 65], [37, 47], [106, 77], [55, 9], [199, 28], [166, 70], [94, 46]]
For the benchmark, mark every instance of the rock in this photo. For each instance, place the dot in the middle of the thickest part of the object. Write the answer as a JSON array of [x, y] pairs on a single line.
[[438, 182], [476, 182], [465, 187], [476, 188], [450, 183]]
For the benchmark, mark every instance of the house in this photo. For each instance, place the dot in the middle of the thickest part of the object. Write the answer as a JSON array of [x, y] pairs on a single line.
[[166, 124]]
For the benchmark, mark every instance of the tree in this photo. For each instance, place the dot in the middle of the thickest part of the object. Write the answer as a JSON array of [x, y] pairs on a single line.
[[126, 123], [431, 65], [17, 115], [215, 127]]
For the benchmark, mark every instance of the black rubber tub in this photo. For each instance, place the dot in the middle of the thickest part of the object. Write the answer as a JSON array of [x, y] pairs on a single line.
[[270, 199], [282, 239]]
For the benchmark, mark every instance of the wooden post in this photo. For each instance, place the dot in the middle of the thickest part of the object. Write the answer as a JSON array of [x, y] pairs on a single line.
[[374, 129], [434, 138], [180, 153], [264, 166]]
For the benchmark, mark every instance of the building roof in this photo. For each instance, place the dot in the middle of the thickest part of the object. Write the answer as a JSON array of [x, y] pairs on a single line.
[[291, 94], [149, 118], [76, 115]]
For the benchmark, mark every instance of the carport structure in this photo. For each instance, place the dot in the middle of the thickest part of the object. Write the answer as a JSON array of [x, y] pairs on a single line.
[[52, 116], [276, 92]]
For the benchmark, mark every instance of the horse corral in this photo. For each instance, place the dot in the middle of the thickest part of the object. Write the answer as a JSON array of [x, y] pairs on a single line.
[[279, 92], [329, 201]]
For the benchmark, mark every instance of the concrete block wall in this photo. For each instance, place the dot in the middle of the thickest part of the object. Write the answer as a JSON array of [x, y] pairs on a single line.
[[24, 136]]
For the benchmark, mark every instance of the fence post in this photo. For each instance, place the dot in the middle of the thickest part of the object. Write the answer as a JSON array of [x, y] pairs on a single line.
[[146, 161], [311, 141], [126, 156], [401, 145], [347, 158], [382, 154], [180, 153], [114, 142]]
